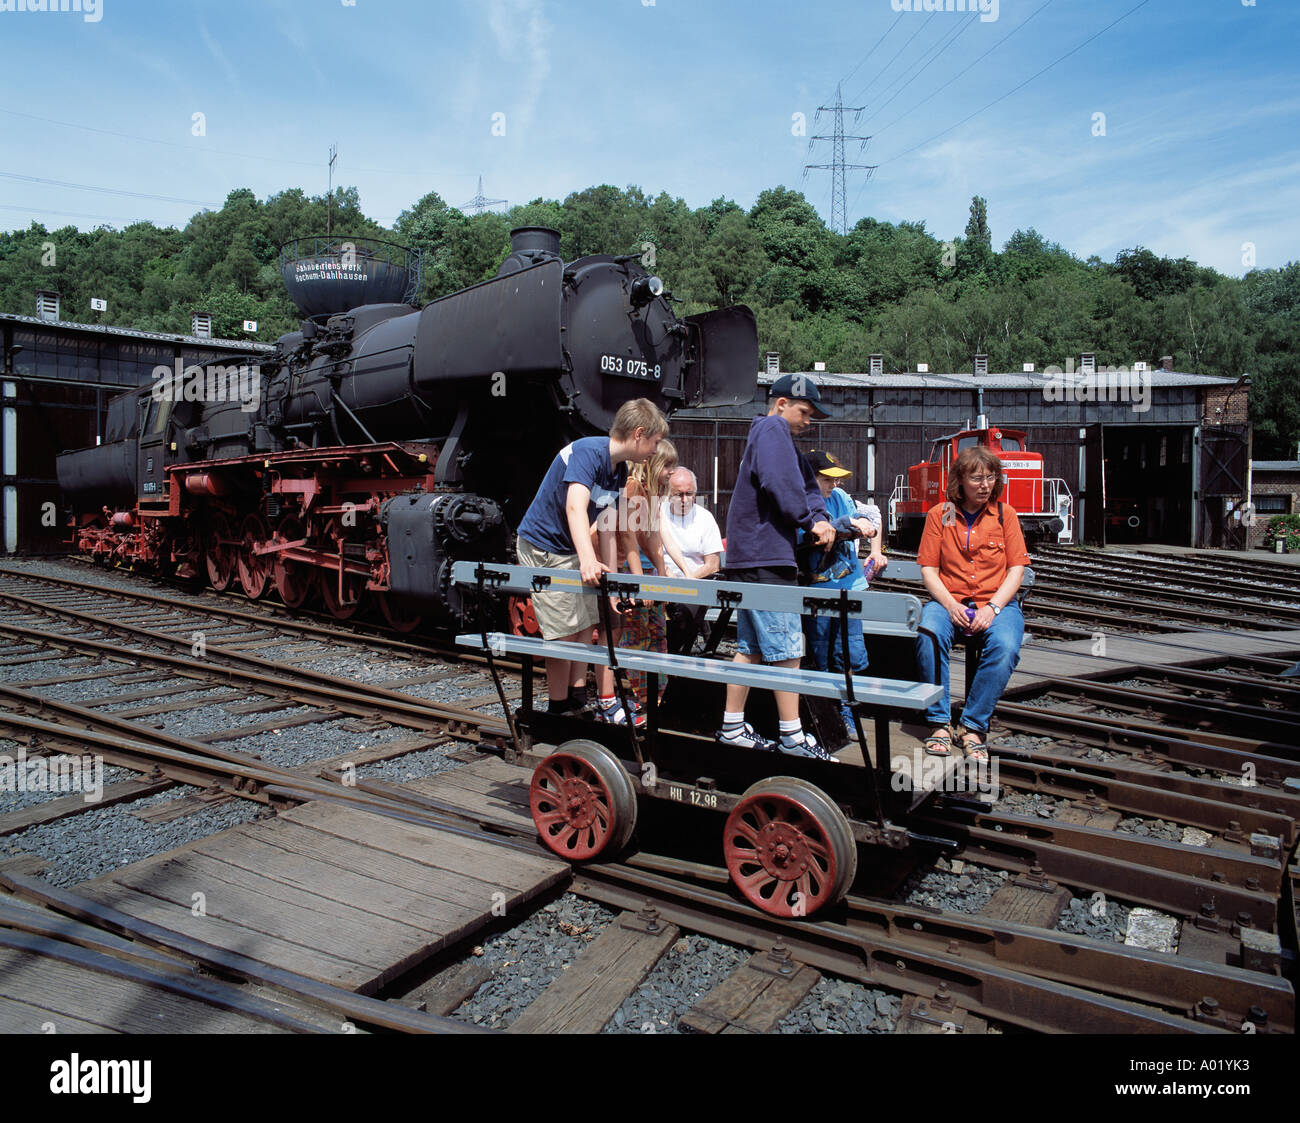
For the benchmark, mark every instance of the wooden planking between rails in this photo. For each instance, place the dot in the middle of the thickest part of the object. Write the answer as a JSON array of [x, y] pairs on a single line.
[[343, 896], [491, 790], [51, 809], [586, 996], [752, 999]]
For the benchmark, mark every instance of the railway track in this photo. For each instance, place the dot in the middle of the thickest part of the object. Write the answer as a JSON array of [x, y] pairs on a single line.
[[1167, 744]]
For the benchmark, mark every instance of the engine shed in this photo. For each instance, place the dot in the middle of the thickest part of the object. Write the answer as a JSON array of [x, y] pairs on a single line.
[[57, 379], [1148, 454]]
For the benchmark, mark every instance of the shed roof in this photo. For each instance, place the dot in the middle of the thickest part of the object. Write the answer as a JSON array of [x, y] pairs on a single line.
[[1032, 380], [132, 333]]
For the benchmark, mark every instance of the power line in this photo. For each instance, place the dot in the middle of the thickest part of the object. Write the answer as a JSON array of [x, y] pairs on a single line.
[[973, 64], [108, 190], [863, 59], [961, 30], [919, 27], [204, 150], [1022, 85], [75, 214]]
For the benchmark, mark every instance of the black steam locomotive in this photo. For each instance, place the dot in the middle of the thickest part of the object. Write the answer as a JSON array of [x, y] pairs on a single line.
[[377, 446]]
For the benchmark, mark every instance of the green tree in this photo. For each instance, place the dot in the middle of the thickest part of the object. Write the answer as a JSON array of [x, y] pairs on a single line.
[[977, 226]]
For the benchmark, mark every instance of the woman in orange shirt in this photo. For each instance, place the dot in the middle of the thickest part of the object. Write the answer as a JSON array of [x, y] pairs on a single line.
[[972, 559]]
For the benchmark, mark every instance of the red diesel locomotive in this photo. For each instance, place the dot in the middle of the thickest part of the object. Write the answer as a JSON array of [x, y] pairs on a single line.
[[1044, 504]]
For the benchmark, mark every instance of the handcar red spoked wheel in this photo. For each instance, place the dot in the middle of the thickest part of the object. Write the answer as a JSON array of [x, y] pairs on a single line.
[[789, 848], [294, 580], [254, 569], [220, 553], [402, 615], [583, 801]]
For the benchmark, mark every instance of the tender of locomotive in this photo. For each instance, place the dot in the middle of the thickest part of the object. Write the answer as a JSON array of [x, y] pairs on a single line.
[[376, 446], [1044, 505]]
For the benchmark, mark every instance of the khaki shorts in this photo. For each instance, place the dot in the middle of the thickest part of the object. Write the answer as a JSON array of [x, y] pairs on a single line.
[[559, 615]]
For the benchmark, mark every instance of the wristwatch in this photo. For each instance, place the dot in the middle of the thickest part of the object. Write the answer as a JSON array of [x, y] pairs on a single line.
[[996, 608]]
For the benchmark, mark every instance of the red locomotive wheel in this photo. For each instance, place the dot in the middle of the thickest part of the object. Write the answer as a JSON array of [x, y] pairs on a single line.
[[401, 614], [220, 553], [789, 848], [523, 620], [294, 580], [254, 569], [583, 801], [354, 591]]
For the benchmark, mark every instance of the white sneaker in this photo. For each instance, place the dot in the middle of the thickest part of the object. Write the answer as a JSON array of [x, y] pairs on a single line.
[[744, 738], [807, 746]]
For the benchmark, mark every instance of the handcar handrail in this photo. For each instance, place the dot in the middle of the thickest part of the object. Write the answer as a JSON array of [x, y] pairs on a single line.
[[886, 614]]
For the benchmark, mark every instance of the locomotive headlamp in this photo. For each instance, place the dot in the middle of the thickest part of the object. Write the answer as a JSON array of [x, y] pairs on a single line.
[[645, 289]]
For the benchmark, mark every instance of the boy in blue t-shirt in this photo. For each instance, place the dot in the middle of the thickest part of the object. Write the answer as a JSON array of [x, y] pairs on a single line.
[[582, 488]]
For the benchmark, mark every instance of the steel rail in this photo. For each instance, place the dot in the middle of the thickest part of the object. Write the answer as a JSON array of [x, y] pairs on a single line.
[[339, 693], [949, 960], [1166, 875], [1171, 892], [270, 615], [356, 1007], [1208, 571], [1204, 716], [1210, 805], [1208, 751], [237, 774]]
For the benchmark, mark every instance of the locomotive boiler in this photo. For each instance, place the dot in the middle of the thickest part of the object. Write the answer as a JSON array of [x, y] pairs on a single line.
[[376, 446]]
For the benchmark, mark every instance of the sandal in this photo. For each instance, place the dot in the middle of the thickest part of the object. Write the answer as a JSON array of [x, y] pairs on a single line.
[[942, 742], [972, 746]]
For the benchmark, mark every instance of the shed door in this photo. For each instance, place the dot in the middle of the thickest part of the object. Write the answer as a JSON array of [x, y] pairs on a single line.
[[1222, 460], [1093, 498]]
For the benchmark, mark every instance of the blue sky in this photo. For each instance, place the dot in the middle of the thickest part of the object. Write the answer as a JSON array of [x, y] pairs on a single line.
[[693, 97]]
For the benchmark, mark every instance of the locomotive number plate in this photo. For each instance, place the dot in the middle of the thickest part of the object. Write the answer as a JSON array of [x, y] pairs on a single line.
[[629, 368]]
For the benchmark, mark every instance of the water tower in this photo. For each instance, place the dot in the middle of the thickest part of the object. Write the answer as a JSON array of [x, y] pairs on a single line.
[[326, 276]]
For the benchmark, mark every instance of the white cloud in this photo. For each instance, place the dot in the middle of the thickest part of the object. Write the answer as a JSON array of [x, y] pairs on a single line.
[[521, 33], [214, 49]]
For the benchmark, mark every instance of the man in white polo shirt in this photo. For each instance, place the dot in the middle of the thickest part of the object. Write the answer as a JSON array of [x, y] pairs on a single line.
[[695, 533], [694, 530]]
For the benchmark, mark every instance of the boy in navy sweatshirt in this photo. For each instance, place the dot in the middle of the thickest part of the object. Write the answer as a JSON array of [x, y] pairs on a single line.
[[776, 495]]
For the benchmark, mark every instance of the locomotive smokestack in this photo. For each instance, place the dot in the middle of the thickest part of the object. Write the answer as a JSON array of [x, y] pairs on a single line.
[[530, 245]]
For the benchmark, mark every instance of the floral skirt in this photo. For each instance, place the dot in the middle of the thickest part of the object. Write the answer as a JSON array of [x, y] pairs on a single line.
[[645, 629]]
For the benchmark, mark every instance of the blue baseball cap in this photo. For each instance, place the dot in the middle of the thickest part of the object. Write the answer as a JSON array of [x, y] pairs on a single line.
[[801, 387]]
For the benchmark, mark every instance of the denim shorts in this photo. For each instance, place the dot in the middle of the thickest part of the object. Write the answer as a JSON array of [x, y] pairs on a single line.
[[773, 636]]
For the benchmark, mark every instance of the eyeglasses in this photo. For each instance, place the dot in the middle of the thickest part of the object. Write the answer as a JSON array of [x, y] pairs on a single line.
[[683, 495], [981, 481]]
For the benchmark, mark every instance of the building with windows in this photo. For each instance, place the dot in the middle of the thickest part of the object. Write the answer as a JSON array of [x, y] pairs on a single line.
[[1148, 454], [55, 385], [1275, 490]]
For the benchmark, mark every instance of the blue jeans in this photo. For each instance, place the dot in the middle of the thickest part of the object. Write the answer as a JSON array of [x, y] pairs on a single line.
[[1001, 654], [774, 637], [823, 631]]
